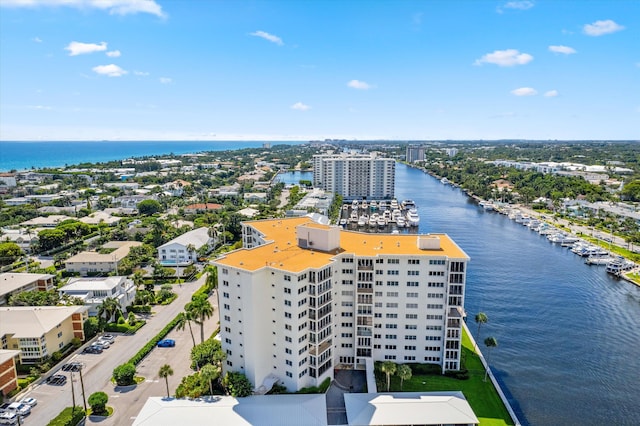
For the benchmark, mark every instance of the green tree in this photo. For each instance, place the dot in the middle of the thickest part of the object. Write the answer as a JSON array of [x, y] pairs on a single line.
[[51, 238], [404, 372], [209, 373], [489, 342], [201, 310], [108, 308], [237, 384], [388, 368], [184, 320], [98, 402], [9, 252], [481, 318], [149, 207], [164, 373], [91, 327], [124, 374]]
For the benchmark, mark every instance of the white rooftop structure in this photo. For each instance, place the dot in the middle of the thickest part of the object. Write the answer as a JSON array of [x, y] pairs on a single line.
[[408, 408], [281, 410]]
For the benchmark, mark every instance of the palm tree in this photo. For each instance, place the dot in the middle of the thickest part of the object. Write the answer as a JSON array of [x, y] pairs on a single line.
[[184, 320], [191, 250], [165, 372], [489, 342], [404, 372], [388, 368], [481, 318], [201, 310], [109, 307], [209, 373]]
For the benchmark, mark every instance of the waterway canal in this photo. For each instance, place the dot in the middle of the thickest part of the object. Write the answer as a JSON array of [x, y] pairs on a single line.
[[568, 334]]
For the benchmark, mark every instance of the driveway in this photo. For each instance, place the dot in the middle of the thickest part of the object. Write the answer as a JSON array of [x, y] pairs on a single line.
[[98, 368]]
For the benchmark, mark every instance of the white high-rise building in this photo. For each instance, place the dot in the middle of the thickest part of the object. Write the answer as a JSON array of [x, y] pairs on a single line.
[[302, 298], [414, 153], [355, 176]]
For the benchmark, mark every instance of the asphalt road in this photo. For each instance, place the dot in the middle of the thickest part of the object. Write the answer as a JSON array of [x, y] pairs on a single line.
[[98, 368]]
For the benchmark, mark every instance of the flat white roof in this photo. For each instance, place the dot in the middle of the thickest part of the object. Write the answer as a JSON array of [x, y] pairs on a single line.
[[263, 410], [408, 408], [91, 284], [197, 237]]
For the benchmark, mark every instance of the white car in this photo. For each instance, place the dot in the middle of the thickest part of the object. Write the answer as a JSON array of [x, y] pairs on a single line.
[[19, 408], [8, 418], [31, 402]]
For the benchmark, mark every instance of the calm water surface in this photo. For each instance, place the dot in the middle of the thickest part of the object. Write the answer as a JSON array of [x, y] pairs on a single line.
[[568, 334]]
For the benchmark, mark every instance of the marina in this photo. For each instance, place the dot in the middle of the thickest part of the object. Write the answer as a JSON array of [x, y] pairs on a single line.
[[380, 216]]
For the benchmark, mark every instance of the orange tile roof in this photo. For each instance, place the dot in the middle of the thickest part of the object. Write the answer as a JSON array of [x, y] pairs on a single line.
[[282, 251]]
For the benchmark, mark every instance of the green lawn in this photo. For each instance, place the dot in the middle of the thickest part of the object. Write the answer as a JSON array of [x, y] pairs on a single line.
[[481, 395]]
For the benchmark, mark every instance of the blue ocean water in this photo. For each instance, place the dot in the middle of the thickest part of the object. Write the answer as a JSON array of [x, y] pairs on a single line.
[[25, 155]]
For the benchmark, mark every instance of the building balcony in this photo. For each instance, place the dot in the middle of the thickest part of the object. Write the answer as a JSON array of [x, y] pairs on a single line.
[[318, 350]]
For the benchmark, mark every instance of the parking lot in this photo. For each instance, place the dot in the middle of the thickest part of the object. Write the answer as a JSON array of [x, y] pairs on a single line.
[[97, 368]]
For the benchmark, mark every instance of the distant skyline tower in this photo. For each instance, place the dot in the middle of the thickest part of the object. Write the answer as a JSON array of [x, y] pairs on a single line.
[[414, 153]]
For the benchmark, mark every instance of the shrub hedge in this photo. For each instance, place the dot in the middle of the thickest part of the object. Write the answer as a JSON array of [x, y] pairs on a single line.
[[65, 418]]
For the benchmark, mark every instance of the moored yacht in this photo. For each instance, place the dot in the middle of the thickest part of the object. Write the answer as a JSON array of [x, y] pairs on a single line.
[[619, 265], [413, 219]]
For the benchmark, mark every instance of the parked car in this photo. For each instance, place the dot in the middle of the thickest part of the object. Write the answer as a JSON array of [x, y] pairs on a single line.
[[4, 407], [8, 418], [166, 343], [110, 337], [57, 379], [20, 409], [31, 402], [92, 350], [72, 366], [104, 343]]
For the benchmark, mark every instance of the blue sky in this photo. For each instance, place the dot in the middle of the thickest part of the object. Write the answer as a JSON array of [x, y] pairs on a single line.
[[299, 70]]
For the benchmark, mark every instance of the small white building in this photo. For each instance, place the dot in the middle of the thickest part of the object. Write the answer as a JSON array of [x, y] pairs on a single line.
[[182, 251], [15, 282], [94, 290], [90, 261]]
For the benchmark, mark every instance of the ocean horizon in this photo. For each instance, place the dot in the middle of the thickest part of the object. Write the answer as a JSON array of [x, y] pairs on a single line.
[[25, 155]]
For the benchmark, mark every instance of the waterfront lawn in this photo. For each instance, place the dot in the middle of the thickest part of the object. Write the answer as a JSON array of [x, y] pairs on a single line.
[[481, 395]]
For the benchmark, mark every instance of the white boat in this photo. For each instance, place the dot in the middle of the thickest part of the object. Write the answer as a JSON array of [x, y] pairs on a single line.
[[395, 214], [401, 222], [343, 222], [598, 260], [363, 220], [444, 181], [413, 219], [381, 222], [488, 206], [408, 204], [394, 204], [619, 265]]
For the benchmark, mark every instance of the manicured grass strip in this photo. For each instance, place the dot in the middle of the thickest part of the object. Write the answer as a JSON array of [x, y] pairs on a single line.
[[482, 396]]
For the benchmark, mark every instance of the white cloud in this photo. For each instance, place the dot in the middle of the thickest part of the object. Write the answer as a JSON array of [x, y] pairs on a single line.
[[551, 94], [37, 39], [505, 58], [270, 37], [141, 73], [165, 80], [77, 48], [114, 7], [524, 91], [517, 5], [109, 70], [40, 107], [599, 28], [299, 106], [562, 49], [113, 54], [360, 85]]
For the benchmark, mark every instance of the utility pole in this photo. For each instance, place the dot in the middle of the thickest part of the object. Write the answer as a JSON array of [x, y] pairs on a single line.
[[73, 397], [84, 399]]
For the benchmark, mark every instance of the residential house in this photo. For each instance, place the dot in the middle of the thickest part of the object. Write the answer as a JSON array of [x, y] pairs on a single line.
[[18, 282], [38, 332], [8, 372], [92, 262], [182, 251], [94, 290], [202, 208]]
